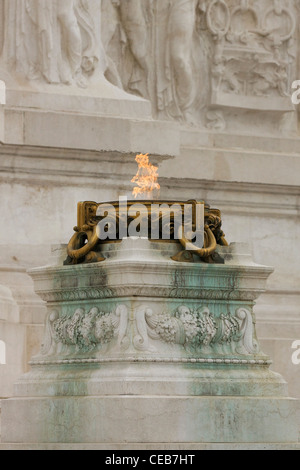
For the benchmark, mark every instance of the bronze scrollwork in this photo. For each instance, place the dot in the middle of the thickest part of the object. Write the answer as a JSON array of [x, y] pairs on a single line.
[[85, 244]]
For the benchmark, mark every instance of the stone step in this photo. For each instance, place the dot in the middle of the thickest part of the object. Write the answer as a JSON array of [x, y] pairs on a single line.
[[119, 421]]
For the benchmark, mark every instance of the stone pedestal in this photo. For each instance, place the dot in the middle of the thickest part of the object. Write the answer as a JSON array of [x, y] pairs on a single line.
[[143, 349]]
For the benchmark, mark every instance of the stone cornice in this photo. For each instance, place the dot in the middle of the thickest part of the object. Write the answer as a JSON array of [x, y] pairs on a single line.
[[119, 279]]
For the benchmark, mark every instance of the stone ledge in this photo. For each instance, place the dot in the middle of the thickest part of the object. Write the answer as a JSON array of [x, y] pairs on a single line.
[[155, 378], [236, 165], [153, 447], [197, 138], [100, 98], [149, 419], [96, 132]]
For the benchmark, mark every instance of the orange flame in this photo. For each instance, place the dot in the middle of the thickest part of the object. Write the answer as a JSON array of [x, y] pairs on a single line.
[[146, 178]]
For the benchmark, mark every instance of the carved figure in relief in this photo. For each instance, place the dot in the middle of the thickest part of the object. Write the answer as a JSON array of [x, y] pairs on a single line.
[[155, 51], [126, 21], [56, 41], [176, 86], [135, 27]]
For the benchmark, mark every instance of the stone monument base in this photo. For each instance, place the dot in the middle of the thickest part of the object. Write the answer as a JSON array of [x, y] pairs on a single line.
[[143, 349]]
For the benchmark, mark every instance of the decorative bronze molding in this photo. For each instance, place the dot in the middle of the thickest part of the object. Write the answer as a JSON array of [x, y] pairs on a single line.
[[85, 244]]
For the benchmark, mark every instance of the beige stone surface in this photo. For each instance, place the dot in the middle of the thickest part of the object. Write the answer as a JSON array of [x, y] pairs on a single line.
[[191, 446], [109, 133], [151, 420]]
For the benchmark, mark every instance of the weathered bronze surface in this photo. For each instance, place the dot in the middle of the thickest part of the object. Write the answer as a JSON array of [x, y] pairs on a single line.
[[85, 245]]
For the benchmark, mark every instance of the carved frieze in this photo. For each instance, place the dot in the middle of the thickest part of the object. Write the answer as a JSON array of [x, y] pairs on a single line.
[[205, 55], [83, 331], [196, 329], [254, 53], [52, 42], [197, 61]]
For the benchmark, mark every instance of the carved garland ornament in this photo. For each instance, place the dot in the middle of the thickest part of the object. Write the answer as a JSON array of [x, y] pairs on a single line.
[[196, 329], [83, 332]]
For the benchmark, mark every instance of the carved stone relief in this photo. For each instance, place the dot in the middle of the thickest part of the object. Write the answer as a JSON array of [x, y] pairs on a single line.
[[52, 42], [199, 62], [197, 329], [195, 58], [83, 332], [254, 49], [162, 45]]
